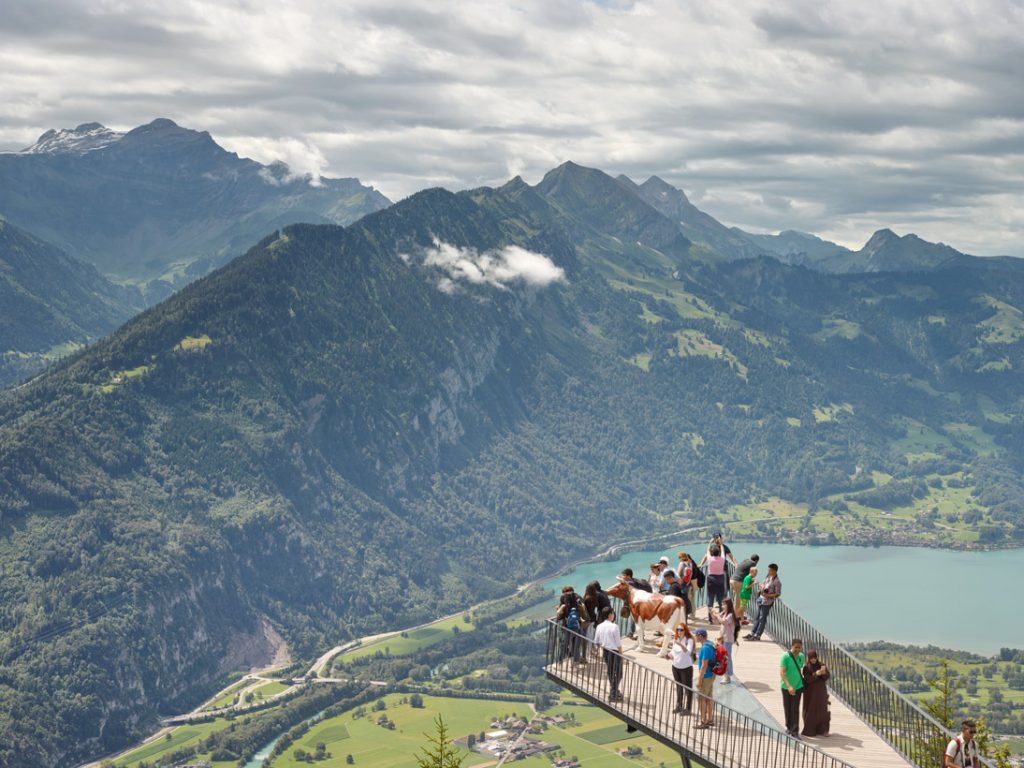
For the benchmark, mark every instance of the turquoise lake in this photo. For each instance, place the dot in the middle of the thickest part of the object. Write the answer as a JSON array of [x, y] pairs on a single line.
[[952, 599]]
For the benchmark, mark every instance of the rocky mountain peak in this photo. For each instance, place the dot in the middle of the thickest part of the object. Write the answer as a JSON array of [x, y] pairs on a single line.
[[658, 186], [83, 138], [881, 238]]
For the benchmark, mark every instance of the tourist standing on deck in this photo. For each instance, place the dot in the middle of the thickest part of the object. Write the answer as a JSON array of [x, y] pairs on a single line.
[[674, 588], [716, 541], [687, 574], [736, 582], [816, 715], [962, 751], [595, 600], [705, 678], [572, 613], [771, 590], [745, 593], [791, 674], [654, 577], [730, 624], [608, 639], [683, 657], [716, 578]]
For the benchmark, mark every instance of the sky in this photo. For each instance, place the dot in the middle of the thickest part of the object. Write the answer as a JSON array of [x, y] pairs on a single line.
[[837, 118]]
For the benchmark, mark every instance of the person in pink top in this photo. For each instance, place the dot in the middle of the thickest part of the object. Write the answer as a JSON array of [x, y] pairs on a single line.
[[716, 577]]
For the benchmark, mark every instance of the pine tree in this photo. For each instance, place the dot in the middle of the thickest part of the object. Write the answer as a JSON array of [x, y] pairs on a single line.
[[439, 753], [943, 708]]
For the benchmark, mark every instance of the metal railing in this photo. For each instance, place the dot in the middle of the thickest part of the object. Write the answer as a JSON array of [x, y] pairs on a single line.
[[648, 699], [911, 731]]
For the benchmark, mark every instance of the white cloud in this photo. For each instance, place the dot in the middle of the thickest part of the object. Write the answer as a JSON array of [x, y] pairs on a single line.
[[498, 268], [856, 113], [304, 160]]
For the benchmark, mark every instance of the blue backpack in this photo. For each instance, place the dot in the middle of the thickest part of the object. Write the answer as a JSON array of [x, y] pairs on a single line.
[[572, 621]]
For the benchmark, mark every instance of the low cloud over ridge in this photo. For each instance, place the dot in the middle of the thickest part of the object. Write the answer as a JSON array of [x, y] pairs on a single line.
[[498, 268]]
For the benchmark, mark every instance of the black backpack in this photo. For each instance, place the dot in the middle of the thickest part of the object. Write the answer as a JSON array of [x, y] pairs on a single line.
[[699, 577]]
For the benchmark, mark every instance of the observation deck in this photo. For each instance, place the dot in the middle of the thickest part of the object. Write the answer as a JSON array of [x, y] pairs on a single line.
[[872, 724]]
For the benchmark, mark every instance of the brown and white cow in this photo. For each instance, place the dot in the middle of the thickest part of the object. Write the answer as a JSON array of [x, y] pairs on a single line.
[[661, 611]]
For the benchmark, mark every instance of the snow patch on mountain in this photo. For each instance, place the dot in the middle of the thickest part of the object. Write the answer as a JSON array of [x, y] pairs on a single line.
[[87, 137]]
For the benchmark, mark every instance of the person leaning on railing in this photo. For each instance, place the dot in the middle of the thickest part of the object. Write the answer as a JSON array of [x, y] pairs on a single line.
[[771, 590]]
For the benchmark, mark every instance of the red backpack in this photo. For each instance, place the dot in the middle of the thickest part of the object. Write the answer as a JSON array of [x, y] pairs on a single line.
[[721, 660]]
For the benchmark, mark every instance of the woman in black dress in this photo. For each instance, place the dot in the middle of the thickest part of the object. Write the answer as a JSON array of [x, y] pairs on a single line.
[[815, 705]]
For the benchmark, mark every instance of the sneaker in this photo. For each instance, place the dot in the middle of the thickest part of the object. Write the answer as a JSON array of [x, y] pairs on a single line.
[[754, 637], [676, 711], [748, 636]]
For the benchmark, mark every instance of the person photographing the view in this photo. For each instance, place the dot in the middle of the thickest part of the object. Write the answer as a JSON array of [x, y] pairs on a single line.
[[962, 751]]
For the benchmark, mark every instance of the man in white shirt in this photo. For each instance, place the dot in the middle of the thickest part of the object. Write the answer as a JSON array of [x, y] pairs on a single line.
[[962, 751], [609, 640]]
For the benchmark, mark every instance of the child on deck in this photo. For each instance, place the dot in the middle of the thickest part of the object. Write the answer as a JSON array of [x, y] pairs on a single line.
[[745, 593]]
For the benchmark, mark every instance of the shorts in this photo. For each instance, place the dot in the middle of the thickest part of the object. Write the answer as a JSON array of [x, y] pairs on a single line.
[[706, 685]]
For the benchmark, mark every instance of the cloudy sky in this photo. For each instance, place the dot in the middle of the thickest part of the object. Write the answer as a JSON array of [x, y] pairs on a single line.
[[835, 118]]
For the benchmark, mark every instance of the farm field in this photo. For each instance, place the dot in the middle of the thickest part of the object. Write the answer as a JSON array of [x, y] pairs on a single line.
[[593, 738], [180, 737], [410, 642]]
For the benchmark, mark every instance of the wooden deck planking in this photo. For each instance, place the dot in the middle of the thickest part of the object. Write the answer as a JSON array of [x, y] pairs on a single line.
[[756, 665]]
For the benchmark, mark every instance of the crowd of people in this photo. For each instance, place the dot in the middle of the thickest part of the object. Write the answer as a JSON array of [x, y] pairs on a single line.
[[734, 598]]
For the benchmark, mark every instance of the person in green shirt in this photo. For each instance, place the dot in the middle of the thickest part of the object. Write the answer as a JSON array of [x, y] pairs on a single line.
[[745, 593], [791, 674]]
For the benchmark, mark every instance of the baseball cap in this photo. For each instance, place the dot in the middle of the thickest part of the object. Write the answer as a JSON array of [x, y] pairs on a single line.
[[701, 632]]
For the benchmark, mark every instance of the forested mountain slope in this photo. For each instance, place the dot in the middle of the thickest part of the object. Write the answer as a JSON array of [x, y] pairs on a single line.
[[50, 304], [437, 402]]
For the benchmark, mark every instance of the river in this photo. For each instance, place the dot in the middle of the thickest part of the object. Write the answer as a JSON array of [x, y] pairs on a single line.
[[913, 595]]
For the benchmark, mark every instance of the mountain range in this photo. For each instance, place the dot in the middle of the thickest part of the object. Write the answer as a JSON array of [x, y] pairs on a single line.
[[161, 205], [154, 208], [441, 400]]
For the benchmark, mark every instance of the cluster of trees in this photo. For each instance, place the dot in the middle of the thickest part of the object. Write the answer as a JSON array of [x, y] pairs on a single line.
[[915, 670]]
